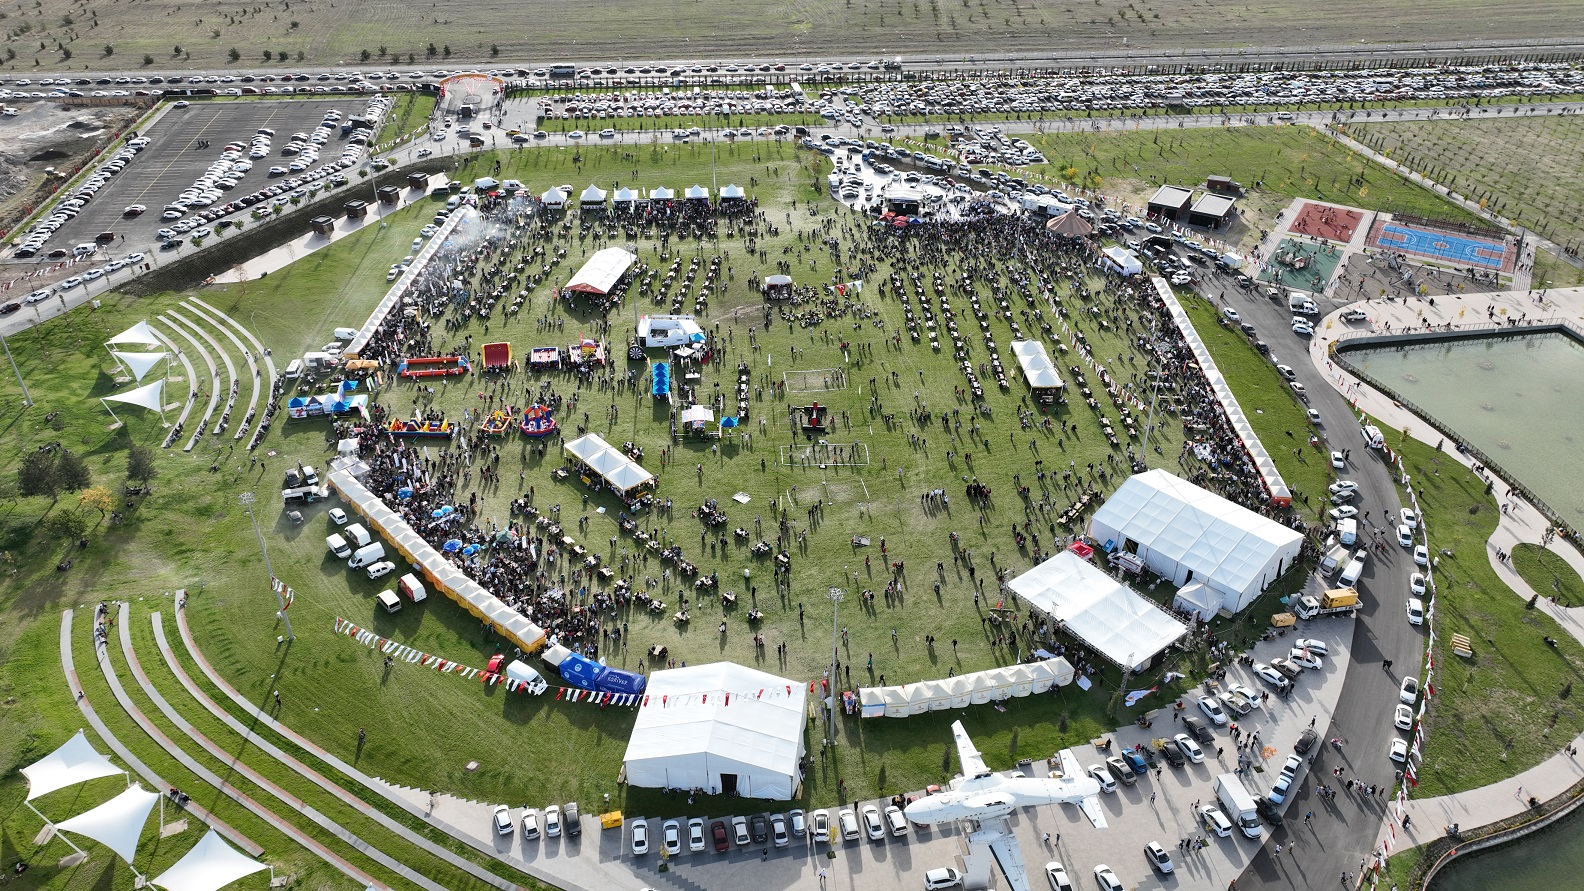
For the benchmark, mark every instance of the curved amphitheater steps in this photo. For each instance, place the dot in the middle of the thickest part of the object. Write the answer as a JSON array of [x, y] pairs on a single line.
[[203, 327]]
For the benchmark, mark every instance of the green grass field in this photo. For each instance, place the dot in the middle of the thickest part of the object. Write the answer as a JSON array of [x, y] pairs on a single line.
[[1548, 573], [399, 34], [1526, 170]]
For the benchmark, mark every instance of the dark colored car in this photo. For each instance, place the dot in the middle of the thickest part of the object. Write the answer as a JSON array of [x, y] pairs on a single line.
[[718, 833], [1173, 755], [10, 308], [1306, 741], [1267, 811], [1197, 729], [760, 826]]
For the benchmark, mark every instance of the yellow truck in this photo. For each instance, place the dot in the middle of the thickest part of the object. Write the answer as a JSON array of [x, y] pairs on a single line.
[[1334, 602]]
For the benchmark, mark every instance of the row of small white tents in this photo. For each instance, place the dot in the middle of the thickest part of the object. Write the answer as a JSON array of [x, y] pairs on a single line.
[[118, 823], [441, 573], [558, 196], [960, 691]]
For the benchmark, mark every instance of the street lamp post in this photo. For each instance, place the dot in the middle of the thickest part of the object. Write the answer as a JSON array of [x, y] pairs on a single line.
[[247, 499], [835, 594], [27, 398]]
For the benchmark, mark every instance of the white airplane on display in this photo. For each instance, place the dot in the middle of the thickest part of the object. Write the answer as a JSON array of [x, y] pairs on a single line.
[[988, 799]]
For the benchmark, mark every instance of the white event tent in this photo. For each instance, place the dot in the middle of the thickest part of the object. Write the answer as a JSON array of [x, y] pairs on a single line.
[[724, 727], [960, 691], [553, 198], [602, 271], [1185, 533], [1120, 259], [210, 865], [1111, 618], [140, 334], [118, 823]]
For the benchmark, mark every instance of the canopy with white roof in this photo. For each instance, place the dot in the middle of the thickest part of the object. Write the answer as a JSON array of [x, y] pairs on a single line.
[[625, 195], [960, 691], [118, 823], [1182, 531], [76, 761], [1038, 369], [140, 333], [140, 364], [696, 192], [733, 192], [209, 866], [149, 396], [1108, 616], [723, 727], [602, 271], [661, 193], [553, 197], [1120, 259], [592, 195], [621, 472]]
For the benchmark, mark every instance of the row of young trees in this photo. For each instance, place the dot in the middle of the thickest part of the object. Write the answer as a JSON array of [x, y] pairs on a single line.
[[52, 471]]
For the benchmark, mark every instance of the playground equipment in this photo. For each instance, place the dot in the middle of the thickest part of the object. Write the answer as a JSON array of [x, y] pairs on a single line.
[[419, 429], [537, 422], [497, 356], [433, 366], [497, 423]]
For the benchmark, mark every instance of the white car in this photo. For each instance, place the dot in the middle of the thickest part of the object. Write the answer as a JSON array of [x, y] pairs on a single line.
[[1271, 676], [696, 835], [1305, 658], [671, 837], [1287, 372], [1303, 328], [895, 820], [820, 820], [1409, 691], [1410, 519], [552, 821], [873, 826], [1104, 877], [640, 837], [1341, 486], [1345, 512], [1405, 536], [1337, 460], [530, 821], [380, 569], [1404, 718], [1057, 876], [1398, 750], [1282, 788], [1214, 821], [939, 879], [1314, 416], [1103, 777], [1416, 611], [1231, 314], [1253, 697], [1213, 710], [1416, 583], [1317, 647], [1422, 555], [502, 820], [847, 824], [338, 516], [1158, 858], [1189, 748]]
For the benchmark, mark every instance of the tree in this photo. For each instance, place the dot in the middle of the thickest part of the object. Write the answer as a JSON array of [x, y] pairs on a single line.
[[176, 50], [67, 525], [234, 54], [73, 471], [38, 475], [382, 50], [494, 50], [140, 463], [365, 55], [148, 60], [109, 50], [268, 55], [432, 51], [66, 54], [96, 498], [446, 50]]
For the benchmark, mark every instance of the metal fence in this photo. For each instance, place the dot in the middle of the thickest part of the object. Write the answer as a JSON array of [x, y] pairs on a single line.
[[1361, 339]]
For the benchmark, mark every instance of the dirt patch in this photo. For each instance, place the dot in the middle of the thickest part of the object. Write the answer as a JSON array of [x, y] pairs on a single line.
[[44, 135], [47, 156]]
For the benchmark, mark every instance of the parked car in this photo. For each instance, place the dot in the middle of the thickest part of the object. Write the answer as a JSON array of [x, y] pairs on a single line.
[[696, 835], [719, 836], [1158, 858], [1212, 709], [1198, 730], [640, 837], [873, 826], [1056, 875], [502, 820]]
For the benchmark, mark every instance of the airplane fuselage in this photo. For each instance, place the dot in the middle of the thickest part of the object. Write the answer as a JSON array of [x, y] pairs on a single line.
[[988, 797]]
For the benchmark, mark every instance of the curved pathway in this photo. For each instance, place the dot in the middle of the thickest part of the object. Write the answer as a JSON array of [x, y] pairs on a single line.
[[296, 766], [220, 785], [247, 354], [230, 366], [187, 400], [214, 383], [383, 789], [68, 665]]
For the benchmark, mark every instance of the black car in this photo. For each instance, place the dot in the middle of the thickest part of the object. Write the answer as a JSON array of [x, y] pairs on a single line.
[[1173, 755], [760, 827], [10, 308], [1267, 811], [1306, 741], [1197, 729]]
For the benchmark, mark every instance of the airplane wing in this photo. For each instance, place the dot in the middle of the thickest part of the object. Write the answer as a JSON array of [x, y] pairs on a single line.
[[1010, 858], [1090, 805], [973, 765]]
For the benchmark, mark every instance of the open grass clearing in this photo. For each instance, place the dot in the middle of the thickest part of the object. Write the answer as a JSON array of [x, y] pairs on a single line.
[[1549, 574]]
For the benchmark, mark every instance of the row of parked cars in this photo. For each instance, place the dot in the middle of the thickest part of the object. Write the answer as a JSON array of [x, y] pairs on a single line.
[[76, 281], [551, 822], [69, 207], [758, 829]]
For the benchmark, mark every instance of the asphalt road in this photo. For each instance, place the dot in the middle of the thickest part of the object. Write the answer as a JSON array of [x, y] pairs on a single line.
[[174, 159], [1344, 828]]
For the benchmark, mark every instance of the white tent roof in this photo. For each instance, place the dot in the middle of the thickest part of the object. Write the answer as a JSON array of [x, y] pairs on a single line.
[[661, 193], [1037, 367], [593, 195], [118, 823], [139, 364], [602, 271], [1197, 528], [149, 396], [696, 191], [721, 718], [74, 762], [139, 333], [586, 446], [629, 476], [1125, 260], [625, 195], [553, 197], [696, 413], [210, 865], [1122, 625], [732, 191]]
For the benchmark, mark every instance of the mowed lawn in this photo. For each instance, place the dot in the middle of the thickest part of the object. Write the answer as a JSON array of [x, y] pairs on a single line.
[[496, 33], [1546, 572]]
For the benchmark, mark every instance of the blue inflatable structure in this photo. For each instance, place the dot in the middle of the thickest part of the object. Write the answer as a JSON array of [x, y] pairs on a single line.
[[580, 671]]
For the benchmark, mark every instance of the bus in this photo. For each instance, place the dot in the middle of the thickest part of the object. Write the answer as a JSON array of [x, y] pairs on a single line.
[[563, 71]]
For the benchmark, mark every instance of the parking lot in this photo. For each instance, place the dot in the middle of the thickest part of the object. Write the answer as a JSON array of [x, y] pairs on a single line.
[[174, 159]]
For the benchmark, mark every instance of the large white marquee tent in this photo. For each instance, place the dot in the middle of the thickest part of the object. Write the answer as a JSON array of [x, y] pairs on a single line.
[[723, 727], [1185, 533], [1111, 618], [602, 271]]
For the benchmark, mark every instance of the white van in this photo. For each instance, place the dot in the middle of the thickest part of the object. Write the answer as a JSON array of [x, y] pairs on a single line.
[[345, 333], [1347, 531], [357, 535], [365, 555], [1373, 436], [388, 600], [1350, 576], [294, 369], [338, 546], [521, 671], [412, 586]]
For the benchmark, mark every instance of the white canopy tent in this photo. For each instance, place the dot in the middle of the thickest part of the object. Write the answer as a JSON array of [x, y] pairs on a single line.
[[1038, 369], [1120, 259], [960, 691], [602, 271], [140, 334], [620, 471], [553, 198], [625, 195], [76, 761], [593, 196], [209, 866], [149, 396], [723, 727], [117, 824], [140, 364], [1185, 533], [661, 193], [1108, 616], [733, 192], [696, 192]]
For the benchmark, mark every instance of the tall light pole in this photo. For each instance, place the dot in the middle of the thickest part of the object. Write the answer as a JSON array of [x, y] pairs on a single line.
[[835, 594], [27, 399], [247, 499]]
